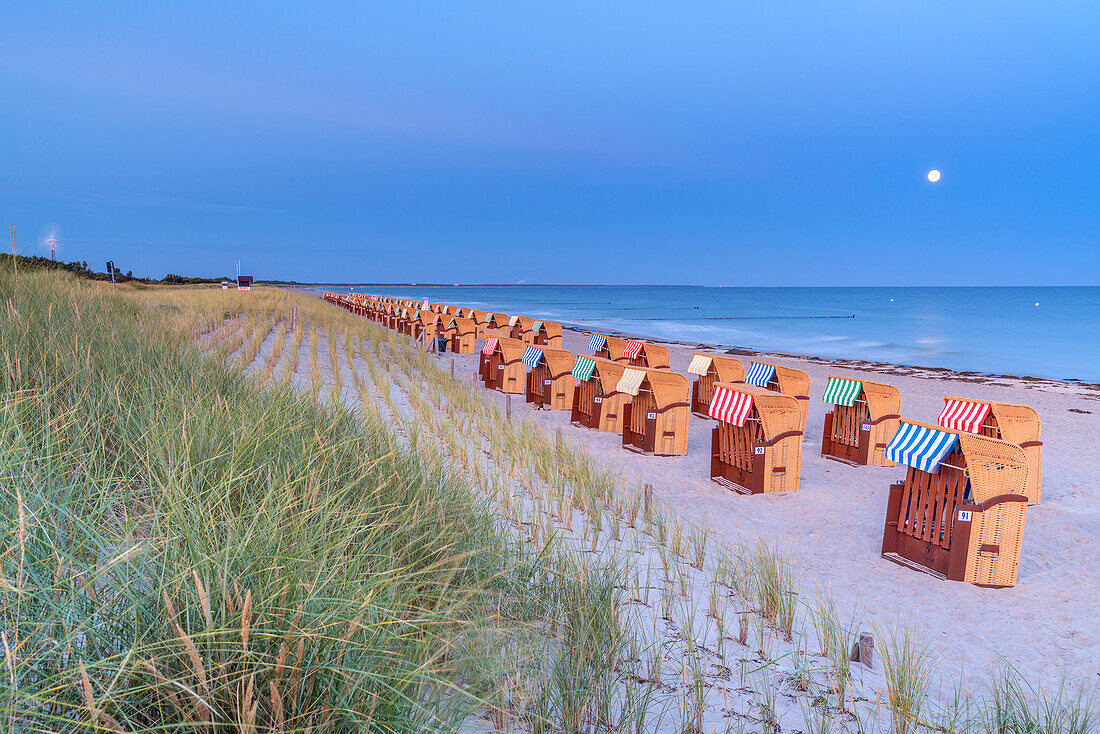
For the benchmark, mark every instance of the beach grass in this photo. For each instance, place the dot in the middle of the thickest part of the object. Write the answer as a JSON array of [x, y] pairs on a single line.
[[182, 546]]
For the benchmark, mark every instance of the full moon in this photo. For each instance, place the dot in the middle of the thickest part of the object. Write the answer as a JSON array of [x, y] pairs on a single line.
[[933, 175]]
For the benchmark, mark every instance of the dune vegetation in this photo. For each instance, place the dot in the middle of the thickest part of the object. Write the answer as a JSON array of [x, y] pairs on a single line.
[[255, 512]]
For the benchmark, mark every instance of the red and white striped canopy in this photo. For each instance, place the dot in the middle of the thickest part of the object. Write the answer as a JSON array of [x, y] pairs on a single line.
[[632, 349], [490, 345], [963, 415], [730, 406]]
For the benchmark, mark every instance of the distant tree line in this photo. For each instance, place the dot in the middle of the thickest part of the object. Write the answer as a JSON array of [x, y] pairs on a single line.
[[80, 268]]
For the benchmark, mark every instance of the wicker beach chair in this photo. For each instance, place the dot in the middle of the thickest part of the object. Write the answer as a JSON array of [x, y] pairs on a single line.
[[959, 512], [517, 325], [643, 354], [655, 421], [550, 381], [504, 369], [429, 325], [1017, 424], [463, 332], [863, 420], [756, 447], [488, 349], [549, 334], [786, 380], [607, 347], [597, 403], [711, 369], [538, 333]]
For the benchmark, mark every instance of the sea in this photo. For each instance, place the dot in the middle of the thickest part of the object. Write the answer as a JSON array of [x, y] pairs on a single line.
[[1051, 332]]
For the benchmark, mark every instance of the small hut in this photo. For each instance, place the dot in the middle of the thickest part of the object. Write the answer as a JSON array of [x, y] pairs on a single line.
[[757, 445], [959, 513], [462, 333], [786, 380], [642, 354], [504, 370], [550, 381], [597, 403], [711, 369], [1017, 424], [655, 421], [863, 420]]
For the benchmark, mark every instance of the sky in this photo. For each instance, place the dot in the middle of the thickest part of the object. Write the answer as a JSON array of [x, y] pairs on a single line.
[[711, 143]]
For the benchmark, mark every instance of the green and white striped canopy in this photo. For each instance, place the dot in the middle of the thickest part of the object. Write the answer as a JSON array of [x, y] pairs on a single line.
[[842, 392], [584, 368]]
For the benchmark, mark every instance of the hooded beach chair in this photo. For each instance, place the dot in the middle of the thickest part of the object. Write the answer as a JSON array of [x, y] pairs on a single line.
[[607, 347], [959, 512], [863, 420], [539, 333], [429, 325], [486, 353], [711, 369], [1017, 424], [756, 447], [462, 332], [597, 403], [517, 325], [504, 369], [786, 380], [643, 354], [550, 381], [655, 421]]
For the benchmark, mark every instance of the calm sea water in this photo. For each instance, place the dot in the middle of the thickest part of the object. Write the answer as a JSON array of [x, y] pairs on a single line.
[[1044, 331]]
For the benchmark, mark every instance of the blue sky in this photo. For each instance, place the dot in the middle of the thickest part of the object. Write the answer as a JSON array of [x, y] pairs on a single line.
[[708, 143]]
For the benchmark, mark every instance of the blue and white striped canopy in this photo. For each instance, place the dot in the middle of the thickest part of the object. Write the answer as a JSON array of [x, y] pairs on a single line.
[[919, 447], [531, 356], [598, 342], [760, 374]]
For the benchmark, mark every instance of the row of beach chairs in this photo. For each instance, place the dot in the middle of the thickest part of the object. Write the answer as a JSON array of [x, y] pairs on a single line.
[[457, 325], [958, 513]]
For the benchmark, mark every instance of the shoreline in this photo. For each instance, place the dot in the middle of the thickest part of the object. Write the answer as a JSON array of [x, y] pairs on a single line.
[[1089, 390], [885, 368]]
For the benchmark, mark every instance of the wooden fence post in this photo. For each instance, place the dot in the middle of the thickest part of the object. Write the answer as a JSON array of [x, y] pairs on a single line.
[[452, 368], [863, 652]]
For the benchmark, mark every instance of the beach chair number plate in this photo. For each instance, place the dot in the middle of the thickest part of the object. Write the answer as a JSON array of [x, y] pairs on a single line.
[[598, 400], [500, 366], [964, 515], [546, 382], [651, 416], [759, 450], [866, 426]]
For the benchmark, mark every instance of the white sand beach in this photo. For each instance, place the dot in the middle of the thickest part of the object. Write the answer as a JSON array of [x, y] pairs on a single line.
[[832, 527]]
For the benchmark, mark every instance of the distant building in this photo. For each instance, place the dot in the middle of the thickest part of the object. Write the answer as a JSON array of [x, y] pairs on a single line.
[[244, 282], [225, 285]]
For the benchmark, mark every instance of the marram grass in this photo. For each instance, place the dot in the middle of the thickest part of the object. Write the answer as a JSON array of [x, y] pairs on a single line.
[[182, 549]]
